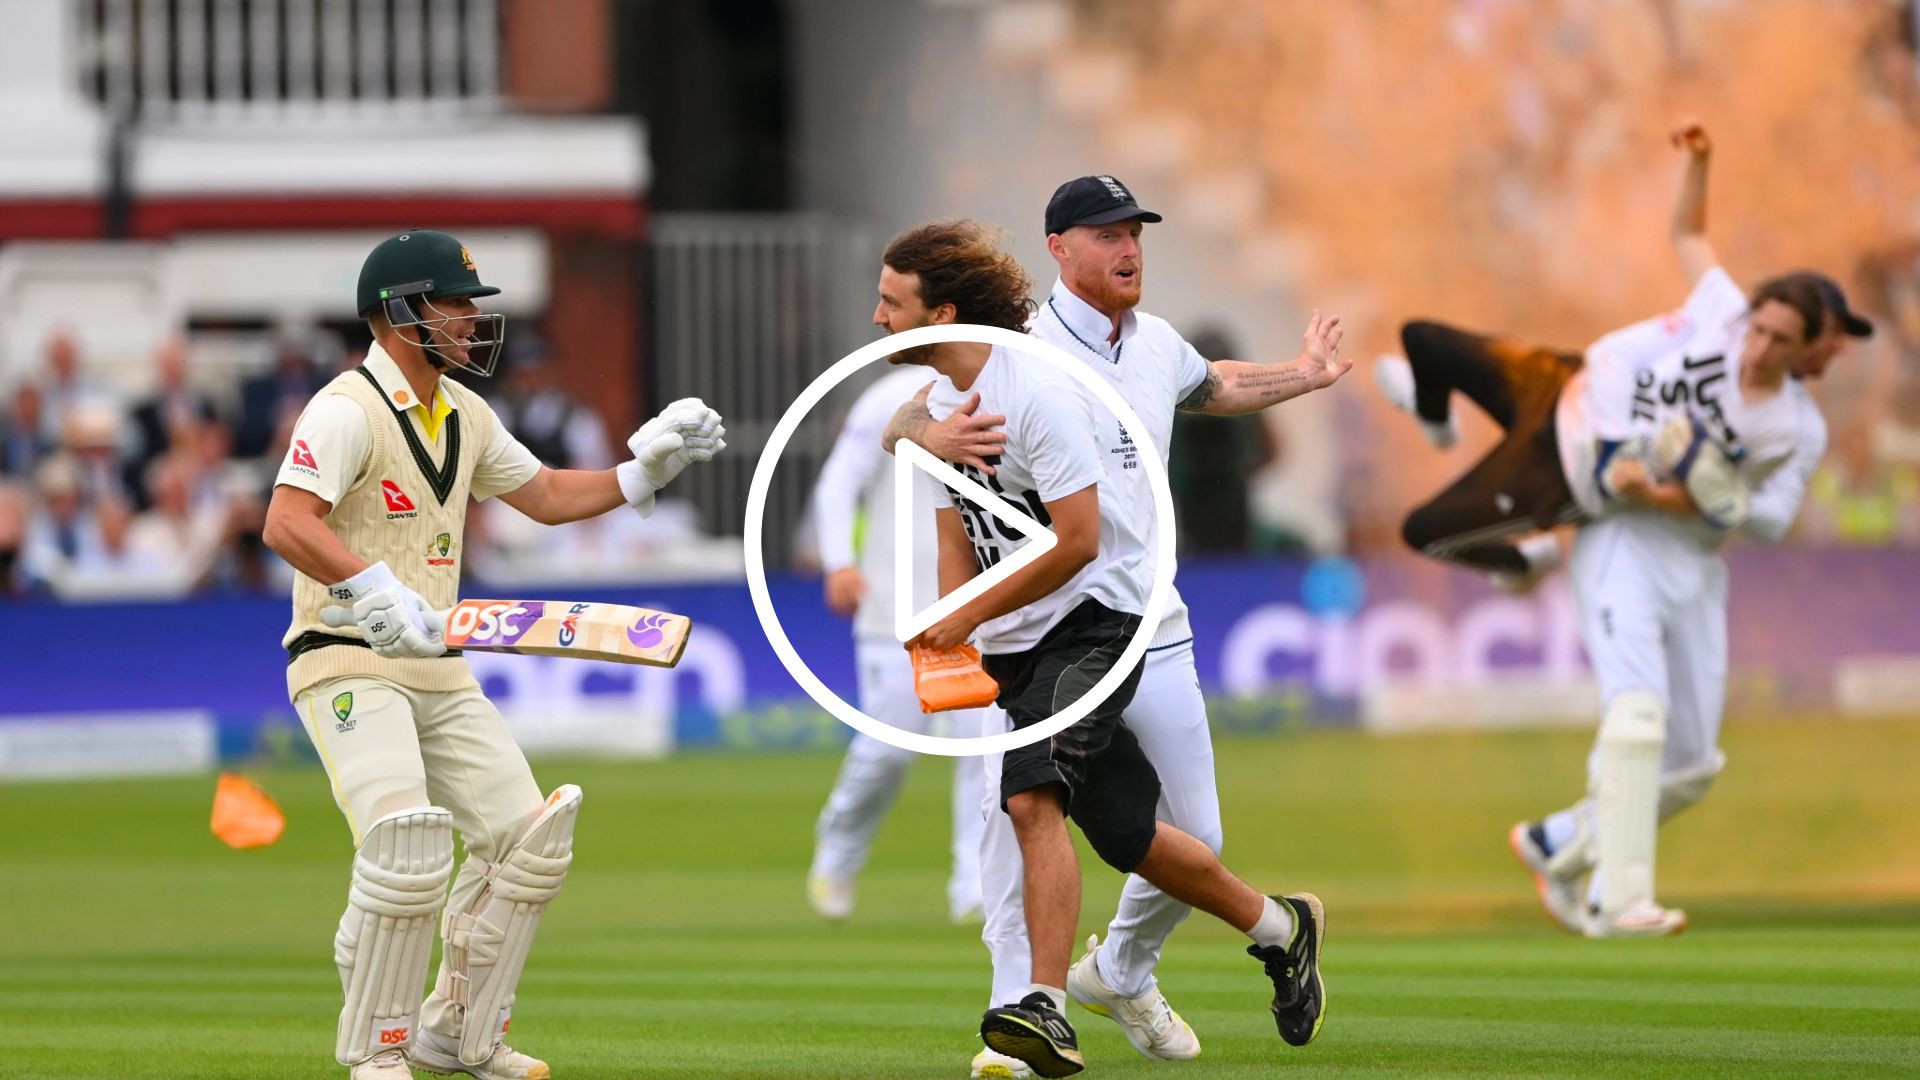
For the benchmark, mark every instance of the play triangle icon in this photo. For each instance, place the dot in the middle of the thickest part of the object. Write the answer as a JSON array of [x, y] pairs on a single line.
[[909, 456]]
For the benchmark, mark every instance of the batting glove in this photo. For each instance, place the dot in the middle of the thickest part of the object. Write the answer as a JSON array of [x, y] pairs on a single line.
[[685, 432], [396, 621], [1709, 471]]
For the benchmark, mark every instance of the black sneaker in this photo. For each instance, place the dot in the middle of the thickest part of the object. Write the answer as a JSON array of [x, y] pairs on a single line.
[[1299, 998], [1036, 1033]]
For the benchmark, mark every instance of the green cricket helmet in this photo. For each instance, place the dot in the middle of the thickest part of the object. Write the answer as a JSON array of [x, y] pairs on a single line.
[[406, 273]]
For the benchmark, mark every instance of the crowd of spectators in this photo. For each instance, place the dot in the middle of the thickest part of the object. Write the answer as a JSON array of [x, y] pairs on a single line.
[[105, 493]]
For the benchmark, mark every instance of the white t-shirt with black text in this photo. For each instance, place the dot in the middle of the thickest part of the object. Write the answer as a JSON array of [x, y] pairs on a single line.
[[1057, 440]]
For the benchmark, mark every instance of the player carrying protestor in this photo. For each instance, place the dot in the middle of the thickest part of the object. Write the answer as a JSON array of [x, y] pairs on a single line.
[[370, 508], [1663, 438]]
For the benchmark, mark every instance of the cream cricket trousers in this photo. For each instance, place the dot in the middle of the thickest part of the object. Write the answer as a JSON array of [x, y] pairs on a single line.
[[387, 748]]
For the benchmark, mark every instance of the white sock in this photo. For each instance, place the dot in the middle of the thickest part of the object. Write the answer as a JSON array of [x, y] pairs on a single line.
[[1441, 433], [1542, 552], [1055, 994], [1560, 829], [1275, 927]]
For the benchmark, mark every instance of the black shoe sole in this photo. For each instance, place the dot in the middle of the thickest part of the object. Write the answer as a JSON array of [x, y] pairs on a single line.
[[1017, 1039], [1308, 905]]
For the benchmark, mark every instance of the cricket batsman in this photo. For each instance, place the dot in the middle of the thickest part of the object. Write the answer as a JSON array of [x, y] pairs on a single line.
[[370, 508]]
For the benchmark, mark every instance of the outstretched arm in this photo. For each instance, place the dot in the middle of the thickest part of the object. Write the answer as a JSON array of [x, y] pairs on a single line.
[[1689, 229], [1235, 386], [685, 432], [557, 496]]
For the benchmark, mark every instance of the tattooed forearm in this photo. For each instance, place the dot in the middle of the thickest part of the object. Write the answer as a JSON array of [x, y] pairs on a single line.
[[909, 421], [1234, 387], [1203, 393], [1271, 383]]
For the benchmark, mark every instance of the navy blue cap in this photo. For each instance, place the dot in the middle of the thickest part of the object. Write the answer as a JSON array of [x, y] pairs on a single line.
[[1093, 200]]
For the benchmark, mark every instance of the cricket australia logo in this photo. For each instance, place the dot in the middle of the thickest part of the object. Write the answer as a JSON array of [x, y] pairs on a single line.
[[440, 550], [343, 711]]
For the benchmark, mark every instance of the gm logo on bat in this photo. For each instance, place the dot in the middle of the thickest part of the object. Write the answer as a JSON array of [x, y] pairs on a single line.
[[569, 626], [909, 457]]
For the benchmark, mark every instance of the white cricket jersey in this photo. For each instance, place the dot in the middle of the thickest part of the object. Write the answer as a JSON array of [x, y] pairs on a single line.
[[1154, 369], [1688, 361], [1058, 438], [858, 475]]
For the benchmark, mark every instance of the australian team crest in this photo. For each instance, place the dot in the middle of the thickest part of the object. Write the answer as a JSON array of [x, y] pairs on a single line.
[[440, 550], [343, 709]]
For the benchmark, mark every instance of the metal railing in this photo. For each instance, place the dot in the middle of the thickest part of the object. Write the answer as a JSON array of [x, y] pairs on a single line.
[[267, 59], [747, 310]]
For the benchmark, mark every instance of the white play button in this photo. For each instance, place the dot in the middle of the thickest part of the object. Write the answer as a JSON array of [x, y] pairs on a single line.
[[908, 456]]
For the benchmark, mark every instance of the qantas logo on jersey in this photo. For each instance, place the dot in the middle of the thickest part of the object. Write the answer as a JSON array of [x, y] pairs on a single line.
[[299, 457], [398, 504]]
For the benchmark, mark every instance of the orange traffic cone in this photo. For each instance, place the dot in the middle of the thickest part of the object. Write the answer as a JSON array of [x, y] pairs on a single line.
[[245, 816]]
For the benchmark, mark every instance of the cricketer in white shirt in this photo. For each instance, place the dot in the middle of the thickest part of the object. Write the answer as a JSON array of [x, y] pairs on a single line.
[[856, 485]]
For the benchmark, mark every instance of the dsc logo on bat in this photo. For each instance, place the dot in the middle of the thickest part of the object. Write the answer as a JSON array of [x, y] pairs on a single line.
[[491, 622]]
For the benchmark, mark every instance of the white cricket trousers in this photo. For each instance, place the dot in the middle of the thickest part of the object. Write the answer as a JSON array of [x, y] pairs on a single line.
[[871, 775], [397, 748], [1169, 717], [1653, 614]]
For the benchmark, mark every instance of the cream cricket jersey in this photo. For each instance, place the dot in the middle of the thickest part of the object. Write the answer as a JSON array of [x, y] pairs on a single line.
[[1057, 440], [1154, 369], [398, 473]]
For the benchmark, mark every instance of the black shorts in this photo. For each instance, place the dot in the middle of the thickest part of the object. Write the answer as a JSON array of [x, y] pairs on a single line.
[[1111, 788]]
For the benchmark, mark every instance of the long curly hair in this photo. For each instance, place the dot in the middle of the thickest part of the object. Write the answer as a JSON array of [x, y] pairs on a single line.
[[960, 262]]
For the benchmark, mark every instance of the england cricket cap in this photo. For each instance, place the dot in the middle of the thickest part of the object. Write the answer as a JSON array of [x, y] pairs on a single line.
[[1093, 200], [420, 262], [1836, 302]]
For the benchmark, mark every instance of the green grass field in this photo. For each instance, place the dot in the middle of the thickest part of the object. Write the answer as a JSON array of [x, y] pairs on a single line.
[[136, 946]]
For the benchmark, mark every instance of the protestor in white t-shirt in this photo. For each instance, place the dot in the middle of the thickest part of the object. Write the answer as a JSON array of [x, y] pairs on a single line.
[[1663, 439], [1052, 630], [1094, 232], [856, 485]]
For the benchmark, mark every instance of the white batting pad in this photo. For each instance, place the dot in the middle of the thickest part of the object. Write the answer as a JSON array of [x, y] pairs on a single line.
[[386, 936], [487, 944], [1683, 789], [1626, 796]]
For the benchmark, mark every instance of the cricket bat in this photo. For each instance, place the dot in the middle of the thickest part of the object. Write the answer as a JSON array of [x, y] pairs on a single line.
[[616, 632]]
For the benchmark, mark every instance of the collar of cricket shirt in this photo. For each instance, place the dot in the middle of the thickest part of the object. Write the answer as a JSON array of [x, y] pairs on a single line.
[[388, 377], [1088, 325]]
